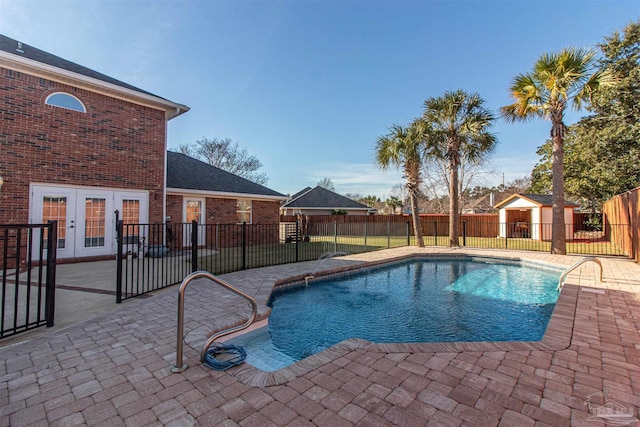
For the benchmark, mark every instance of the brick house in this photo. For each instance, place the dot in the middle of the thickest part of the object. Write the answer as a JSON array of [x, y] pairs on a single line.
[[207, 194], [77, 145]]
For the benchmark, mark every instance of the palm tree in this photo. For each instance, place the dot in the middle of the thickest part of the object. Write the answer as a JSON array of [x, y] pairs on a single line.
[[370, 201], [556, 79], [458, 126], [393, 203], [402, 147]]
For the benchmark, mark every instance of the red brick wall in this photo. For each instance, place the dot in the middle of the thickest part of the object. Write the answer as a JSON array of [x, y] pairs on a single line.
[[115, 144], [266, 212], [223, 211], [174, 208]]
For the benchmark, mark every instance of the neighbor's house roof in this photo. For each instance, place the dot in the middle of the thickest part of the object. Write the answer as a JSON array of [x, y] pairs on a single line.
[[21, 57], [188, 175], [321, 198], [541, 200]]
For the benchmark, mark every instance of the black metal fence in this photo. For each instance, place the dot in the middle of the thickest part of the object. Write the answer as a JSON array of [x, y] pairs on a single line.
[[154, 256], [537, 237], [28, 267]]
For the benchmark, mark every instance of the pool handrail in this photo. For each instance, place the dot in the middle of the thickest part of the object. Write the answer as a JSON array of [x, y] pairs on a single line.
[[180, 366], [563, 276]]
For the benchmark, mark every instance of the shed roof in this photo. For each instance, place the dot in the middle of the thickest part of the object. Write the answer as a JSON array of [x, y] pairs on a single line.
[[537, 199], [187, 173]]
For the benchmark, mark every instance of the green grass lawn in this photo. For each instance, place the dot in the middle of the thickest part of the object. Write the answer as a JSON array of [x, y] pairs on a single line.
[[575, 247], [233, 259]]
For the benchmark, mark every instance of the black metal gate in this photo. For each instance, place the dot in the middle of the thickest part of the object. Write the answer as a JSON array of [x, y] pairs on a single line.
[[28, 268]]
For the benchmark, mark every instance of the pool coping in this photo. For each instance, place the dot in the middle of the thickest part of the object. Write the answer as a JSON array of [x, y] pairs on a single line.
[[557, 336]]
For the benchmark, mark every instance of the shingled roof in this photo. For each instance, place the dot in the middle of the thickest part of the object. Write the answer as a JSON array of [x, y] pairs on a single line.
[[539, 199], [187, 173], [321, 198], [29, 59], [23, 50]]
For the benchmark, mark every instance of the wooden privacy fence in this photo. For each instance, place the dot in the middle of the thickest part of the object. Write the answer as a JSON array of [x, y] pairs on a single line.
[[477, 225], [624, 209], [484, 225]]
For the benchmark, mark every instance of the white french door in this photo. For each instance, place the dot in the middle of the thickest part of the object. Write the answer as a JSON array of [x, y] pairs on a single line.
[[94, 223], [56, 204], [86, 220]]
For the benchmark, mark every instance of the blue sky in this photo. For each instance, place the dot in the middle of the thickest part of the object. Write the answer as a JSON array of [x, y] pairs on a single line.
[[308, 86]]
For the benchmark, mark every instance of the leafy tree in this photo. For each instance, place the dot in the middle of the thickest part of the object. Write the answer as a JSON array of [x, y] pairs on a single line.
[[226, 155], [458, 130], [370, 201], [608, 140], [393, 203], [327, 183], [559, 78], [541, 174], [602, 149], [402, 147]]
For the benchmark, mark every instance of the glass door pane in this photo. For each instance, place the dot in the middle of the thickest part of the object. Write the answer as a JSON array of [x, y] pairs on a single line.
[[130, 221], [94, 222], [54, 208], [194, 210]]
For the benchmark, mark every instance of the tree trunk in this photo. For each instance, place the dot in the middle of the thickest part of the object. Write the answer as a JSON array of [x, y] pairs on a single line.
[[558, 230], [415, 216], [454, 208]]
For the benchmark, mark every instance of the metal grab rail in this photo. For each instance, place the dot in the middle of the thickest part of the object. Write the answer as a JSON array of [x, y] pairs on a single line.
[[179, 366], [563, 276]]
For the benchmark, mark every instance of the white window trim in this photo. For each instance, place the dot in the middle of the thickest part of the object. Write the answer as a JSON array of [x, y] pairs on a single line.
[[250, 210], [186, 199], [46, 101]]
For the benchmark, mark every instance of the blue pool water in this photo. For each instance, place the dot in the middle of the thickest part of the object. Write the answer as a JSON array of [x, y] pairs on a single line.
[[414, 301]]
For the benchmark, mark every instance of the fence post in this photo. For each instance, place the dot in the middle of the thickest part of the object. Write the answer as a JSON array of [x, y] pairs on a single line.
[[464, 233], [244, 245], [119, 259], [50, 287], [297, 239], [408, 234], [365, 235], [506, 236], [194, 245], [435, 231]]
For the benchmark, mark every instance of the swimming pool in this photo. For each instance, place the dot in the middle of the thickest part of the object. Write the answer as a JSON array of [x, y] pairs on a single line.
[[416, 300]]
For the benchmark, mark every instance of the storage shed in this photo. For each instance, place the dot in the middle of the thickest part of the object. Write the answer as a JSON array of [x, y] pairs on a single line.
[[530, 216]]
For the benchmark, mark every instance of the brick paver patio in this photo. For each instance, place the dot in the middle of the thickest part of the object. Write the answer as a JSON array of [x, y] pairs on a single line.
[[115, 369]]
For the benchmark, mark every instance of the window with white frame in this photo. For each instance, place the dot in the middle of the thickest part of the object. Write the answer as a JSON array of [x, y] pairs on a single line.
[[64, 100], [243, 211]]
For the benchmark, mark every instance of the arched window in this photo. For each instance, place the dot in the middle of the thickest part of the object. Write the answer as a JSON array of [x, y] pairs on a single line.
[[64, 100]]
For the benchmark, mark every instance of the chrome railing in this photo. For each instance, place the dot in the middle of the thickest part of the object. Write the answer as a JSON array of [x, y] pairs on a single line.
[[180, 366], [563, 276]]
